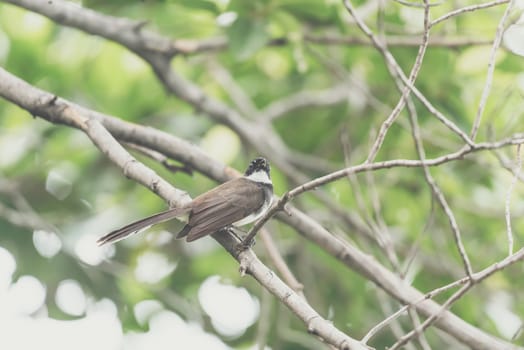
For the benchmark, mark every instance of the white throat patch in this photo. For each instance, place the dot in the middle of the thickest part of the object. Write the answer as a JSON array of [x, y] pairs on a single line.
[[259, 176]]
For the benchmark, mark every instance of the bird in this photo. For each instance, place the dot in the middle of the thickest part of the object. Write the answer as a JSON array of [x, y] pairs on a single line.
[[237, 202]]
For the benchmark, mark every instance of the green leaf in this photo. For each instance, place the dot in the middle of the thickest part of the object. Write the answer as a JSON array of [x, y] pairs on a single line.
[[199, 5], [247, 37]]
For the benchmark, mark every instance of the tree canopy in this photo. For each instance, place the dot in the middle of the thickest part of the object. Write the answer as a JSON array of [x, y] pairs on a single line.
[[393, 129]]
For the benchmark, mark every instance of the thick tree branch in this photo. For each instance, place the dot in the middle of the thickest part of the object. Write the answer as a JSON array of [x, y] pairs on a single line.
[[35, 100], [58, 110], [171, 146], [158, 52]]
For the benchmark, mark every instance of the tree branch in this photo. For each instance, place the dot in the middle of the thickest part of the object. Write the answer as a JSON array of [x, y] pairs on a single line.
[[58, 110], [349, 255], [33, 100]]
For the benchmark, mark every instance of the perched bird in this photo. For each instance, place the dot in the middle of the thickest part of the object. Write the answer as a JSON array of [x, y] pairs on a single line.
[[236, 202]]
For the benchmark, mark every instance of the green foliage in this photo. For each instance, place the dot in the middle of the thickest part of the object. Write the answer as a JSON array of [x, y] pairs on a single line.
[[269, 57]]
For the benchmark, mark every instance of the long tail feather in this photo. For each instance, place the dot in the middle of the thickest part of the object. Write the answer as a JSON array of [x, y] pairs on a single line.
[[140, 225], [184, 232]]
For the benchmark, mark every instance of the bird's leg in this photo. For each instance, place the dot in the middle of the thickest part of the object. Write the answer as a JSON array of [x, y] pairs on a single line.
[[232, 230], [240, 235], [246, 244]]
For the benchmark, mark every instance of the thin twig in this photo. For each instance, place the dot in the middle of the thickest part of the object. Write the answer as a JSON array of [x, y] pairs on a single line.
[[409, 82], [394, 325], [382, 228], [373, 331], [432, 318], [58, 110], [414, 4], [305, 99], [467, 9], [280, 263], [476, 278], [491, 69], [401, 163], [517, 332], [320, 181], [441, 199], [508, 165], [438, 194], [509, 231], [160, 158], [466, 281], [412, 76], [397, 41], [390, 60], [373, 233], [242, 101], [421, 337]]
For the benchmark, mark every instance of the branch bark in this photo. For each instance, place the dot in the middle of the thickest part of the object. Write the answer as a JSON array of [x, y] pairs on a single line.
[[158, 51], [57, 110]]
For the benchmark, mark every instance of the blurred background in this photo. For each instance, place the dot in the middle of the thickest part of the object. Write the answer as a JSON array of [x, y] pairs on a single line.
[[58, 193]]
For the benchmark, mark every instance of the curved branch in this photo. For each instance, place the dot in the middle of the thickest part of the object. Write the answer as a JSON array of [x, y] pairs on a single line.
[[33, 99], [57, 110], [348, 254]]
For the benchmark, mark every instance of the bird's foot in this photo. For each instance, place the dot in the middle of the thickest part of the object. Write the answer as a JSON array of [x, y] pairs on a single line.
[[234, 231], [243, 243], [248, 243]]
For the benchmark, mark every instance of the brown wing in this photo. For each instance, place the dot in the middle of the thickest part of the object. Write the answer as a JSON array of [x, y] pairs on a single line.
[[223, 206]]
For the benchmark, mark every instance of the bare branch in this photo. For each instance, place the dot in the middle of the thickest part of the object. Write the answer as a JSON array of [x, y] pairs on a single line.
[[372, 332], [129, 33], [437, 193], [21, 219], [280, 263], [432, 318], [466, 281], [366, 265], [305, 99], [394, 325], [421, 338], [412, 77], [509, 231], [161, 159], [349, 255], [249, 263], [397, 41], [58, 110], [390, 60], [517, 139], [35, 100], [491, 70], [288, 196], [471, 8], [470, 283], [239, 97], [414, 4]]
